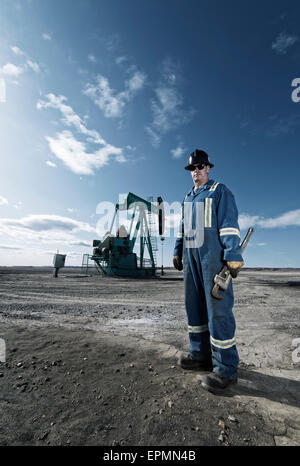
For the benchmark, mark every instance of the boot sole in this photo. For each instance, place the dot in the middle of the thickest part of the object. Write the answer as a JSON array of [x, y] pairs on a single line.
[[197, 368], [215, 390]]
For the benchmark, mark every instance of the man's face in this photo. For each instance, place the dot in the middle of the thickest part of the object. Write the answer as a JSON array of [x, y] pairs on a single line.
[[200, 175]]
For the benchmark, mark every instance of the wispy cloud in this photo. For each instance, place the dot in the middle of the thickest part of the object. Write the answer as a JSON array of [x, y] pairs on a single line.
[[3, 200], [11, 70], [45, 228], [47, 36], [168, 113], [171, 71], [120, 60], [179, 151], [113, 103], [72, 152], [283, 42], [92, 58], [284, 125], [69, 117], [50, 164], [112, 42], [77, 158], [247, 221], [34, 66], [168, 109], [274, 125], [287, 219], [290, 218], [46, 222], [17, 50], [155, 137]]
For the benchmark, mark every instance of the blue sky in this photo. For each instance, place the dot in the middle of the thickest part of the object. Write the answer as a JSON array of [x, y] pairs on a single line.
[[104, 97]]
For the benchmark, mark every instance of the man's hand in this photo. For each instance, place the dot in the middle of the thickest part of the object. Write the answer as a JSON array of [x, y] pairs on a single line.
[[234, 267], [177, 262]]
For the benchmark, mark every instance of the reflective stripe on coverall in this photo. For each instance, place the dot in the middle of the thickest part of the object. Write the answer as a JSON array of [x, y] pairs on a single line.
[[211, 322]]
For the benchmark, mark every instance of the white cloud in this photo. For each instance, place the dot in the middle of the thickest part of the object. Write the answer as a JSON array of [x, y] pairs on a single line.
[[167, 108], [120, 60], [171, 71], [34, 66], [17, 50], [50, 164], [46, 222], [102, 96], [282, 42], [82, 71], [135, 83], [70, 118], [121, 158], [3, 200], [154, 137], [168, 112], [92, 58], [11, 70], [48, 229], [73, 152], [74, 155], [112, 103], [290, 218], [46, 36], [246, 221], [178, 152]]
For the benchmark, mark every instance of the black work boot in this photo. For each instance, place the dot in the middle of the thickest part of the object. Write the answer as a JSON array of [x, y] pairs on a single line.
[[216, 383], [186, 361]]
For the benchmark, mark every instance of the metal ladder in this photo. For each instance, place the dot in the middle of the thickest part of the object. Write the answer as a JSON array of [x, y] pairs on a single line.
[[85, 265], [152, 232]]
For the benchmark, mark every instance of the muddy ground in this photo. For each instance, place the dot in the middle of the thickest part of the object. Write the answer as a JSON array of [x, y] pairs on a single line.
[[93, 361]]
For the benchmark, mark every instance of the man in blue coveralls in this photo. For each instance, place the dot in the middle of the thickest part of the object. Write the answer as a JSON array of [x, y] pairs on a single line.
[[211, 323]]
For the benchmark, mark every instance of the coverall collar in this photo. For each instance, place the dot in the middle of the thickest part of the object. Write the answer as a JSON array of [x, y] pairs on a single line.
[[202, 188]]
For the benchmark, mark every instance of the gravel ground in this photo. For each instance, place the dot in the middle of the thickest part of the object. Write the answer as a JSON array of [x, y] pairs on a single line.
[[93, 361]]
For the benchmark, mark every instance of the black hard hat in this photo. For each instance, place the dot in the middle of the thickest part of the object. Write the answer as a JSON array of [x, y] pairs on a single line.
[[198, 156]]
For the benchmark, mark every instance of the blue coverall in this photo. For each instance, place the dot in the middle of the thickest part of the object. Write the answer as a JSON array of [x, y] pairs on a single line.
[[211, 323]]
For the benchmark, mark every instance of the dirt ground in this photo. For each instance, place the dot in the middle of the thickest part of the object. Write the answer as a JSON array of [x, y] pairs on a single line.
[[93, 361]]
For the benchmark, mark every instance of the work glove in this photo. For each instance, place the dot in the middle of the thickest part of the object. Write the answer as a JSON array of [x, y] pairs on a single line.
[[177, 262], [234, 267]]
